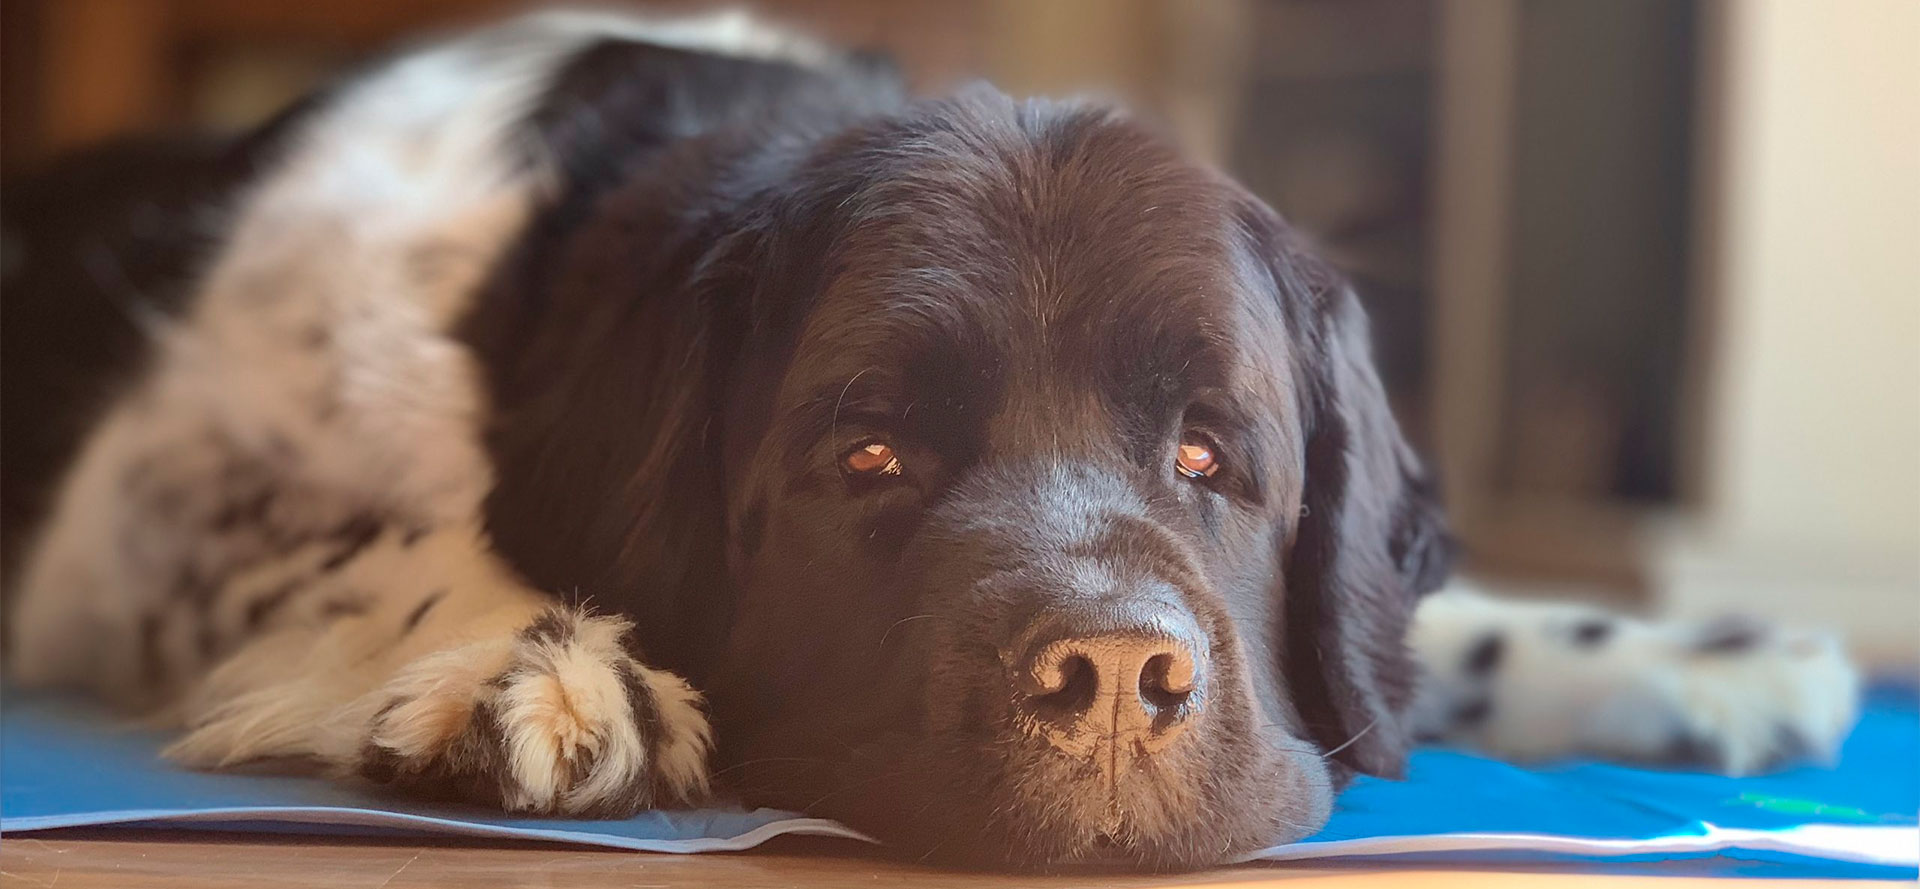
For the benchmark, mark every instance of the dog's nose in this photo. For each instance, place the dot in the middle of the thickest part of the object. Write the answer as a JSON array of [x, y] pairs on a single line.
[[1133, 675]]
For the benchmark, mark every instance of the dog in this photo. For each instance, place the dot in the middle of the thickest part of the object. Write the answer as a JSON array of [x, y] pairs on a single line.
[[586, 414]]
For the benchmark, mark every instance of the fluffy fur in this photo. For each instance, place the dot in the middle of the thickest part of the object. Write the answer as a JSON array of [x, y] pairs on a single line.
[[504, 402], [1535, 680]]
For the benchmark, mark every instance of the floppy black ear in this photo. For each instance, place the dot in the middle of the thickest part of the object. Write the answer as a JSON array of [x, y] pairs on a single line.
[[1370, 542]]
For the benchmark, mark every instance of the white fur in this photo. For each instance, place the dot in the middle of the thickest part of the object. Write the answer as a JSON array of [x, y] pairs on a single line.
[[1630, 695], [682, 762], [732, 32]]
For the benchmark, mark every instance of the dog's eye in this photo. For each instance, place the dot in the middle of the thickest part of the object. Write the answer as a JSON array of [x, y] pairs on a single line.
[[1195, 459], [873, 458]]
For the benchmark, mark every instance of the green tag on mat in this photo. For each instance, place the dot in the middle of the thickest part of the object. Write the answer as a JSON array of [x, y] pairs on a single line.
[[1804, 808]]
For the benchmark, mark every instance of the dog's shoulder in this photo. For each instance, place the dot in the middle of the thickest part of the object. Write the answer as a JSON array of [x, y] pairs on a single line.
[[267, 326], [367, 213]]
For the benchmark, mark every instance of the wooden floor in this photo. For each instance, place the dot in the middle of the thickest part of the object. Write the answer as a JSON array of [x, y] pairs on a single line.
[[125, 859]]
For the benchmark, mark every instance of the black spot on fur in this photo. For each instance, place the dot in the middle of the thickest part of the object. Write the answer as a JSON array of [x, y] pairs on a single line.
[[470, 766], [419, 613], [554, 625], [242, 512], [1592, 632], [646, 714], [193, 587], [1472, 713], [1731, 634], [481, 754], [261, 609], [1687, 749], [378, 764], [386, 710], [1485, 655], [355, 535], [351, 605], [1789, 746]]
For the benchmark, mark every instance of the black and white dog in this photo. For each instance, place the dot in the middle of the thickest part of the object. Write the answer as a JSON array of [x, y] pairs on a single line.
[[587, 414]]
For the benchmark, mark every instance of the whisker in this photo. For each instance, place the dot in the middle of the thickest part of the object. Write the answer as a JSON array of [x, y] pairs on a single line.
[[896, 625], [857, 785], [1349, 742], [834, 425], [1310, 748], [755, 762]]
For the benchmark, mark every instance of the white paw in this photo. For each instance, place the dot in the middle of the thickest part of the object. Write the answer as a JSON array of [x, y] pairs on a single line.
[[1755, 697], [559, 720], [1541, 680]]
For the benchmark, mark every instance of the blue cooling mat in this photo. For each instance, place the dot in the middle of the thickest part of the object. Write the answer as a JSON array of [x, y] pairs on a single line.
[[65, 766]]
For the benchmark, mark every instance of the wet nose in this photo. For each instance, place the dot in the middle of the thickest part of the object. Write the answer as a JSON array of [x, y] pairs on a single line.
[[1111, 675]]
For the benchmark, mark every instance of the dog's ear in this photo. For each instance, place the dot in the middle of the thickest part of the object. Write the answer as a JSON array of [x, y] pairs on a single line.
[[1370, 539]]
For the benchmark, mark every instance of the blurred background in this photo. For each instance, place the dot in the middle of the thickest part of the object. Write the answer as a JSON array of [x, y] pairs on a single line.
[[1645, 274]]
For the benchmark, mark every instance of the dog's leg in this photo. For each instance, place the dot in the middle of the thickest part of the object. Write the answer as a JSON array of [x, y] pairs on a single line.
[[191, 575], [1529, 680], [450, 677]]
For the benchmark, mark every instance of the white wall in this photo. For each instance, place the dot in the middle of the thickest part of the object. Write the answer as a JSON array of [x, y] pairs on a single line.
[[1810, 458]]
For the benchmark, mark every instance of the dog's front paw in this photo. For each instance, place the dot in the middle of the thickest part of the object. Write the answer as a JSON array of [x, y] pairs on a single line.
[[560, 719], [1757, 697]]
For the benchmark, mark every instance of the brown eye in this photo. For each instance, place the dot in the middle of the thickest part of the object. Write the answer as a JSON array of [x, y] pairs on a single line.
[[873, 458], [1195, 460]]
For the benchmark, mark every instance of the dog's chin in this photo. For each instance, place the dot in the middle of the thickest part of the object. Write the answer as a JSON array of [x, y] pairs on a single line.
[[1013, 803]]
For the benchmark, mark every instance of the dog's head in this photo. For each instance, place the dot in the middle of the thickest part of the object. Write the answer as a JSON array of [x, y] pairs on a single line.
[[1054, 508]]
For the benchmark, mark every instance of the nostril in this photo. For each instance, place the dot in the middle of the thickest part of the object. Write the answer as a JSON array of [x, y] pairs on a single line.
[[1069, 686], [1166, 680]]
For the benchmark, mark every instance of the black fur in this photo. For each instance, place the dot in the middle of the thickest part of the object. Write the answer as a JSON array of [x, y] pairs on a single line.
[[419, 612], [555, 627], [1471, 713], [1731, 634], [349, 605], [350, 539], [1592, 633], [646, 712], [470, 767], [262, 608], [1485, 655]]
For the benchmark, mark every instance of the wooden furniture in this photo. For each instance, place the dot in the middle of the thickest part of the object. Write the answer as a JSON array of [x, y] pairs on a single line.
[[161, 860]]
